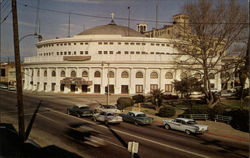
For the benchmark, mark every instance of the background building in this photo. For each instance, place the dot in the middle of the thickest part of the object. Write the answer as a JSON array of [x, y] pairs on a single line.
[[105, 56]]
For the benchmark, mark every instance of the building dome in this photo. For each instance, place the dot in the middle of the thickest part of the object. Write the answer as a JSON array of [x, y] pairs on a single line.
[[112, 29]]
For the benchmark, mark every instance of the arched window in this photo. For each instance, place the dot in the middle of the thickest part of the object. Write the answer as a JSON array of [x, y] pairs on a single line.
[[97, 74], [84, 74], [211, 76], [139, 75], [45, 73], [169, 75], [183, 75], [62, 73], [154, 75], [197, 75], [124, 74], [38, 73], [73, 74], [111, 74], [53, 73]]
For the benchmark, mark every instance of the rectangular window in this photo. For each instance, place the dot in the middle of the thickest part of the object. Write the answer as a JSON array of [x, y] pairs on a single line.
[[57, 53], [153, 87], [162, 44], [152, 44], [81, 52], [65, 44], [86, 52], [74, 52], [126, 52], [137, 52], [86, 43], [3, 73], [138, 88], [168, 87], [69, 44], [105, 52], [74, 43], [100, 43], [111, 89], [126, 43], [53, 86], [152, 53], [157, 44], [65, 53], [143, 44], [105, 43], [119, 52], [137, 43], [44, 86], [132, 52], [99, 52], [119, 43], [124, 89], [97, 88], [212, 85], [57, 44], [81, 43], [132, 43], [111, 43], [69, 53], [110, 52]]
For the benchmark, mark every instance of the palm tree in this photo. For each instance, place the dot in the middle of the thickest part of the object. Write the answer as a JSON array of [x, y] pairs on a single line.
[[157, 95]]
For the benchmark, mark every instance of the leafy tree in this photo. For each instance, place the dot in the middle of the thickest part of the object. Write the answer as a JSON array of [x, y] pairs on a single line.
[[187, 85], [203, 40]]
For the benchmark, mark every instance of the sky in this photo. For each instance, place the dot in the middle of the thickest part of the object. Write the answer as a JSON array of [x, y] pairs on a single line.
[[53, 17]]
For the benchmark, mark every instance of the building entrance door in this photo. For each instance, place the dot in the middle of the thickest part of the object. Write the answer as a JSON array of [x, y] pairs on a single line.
[[72, 87], [62, 87], [85, 88], [124, 89]]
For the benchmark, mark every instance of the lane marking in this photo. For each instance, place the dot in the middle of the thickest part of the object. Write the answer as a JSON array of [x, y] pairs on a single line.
[[138, 137]]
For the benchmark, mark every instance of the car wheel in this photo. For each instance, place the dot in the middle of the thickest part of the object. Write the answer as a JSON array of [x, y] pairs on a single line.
[[167, 126], [188, 132], [78, 115], [136, 123]]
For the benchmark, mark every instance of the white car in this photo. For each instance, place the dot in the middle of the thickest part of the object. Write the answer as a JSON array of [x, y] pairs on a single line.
[[107, 117], [186, 125], [108, 108]]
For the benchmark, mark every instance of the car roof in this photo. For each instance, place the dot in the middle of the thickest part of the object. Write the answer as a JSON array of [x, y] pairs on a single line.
[[136, 112], [81, 105], [185, 119]]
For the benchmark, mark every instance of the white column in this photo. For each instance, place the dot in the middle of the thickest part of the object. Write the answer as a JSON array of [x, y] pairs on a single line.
[[146, 82], [117, 87]]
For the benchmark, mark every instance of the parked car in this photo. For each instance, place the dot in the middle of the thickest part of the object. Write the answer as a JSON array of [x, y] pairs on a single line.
[[12, 88], [80, 110], [107, 117], [138, 118], [85, 133], [3, 86], [228, 93], [188, 126], [108, 108]]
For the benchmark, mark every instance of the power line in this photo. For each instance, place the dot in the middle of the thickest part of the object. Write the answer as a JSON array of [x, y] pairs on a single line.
[[4, 9], [5, 18], [122, 18]]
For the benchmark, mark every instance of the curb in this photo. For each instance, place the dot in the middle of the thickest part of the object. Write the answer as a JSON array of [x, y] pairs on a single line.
[[228, 137]]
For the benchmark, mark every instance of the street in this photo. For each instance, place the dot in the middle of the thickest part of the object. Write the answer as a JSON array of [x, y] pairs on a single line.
[[52, 123]]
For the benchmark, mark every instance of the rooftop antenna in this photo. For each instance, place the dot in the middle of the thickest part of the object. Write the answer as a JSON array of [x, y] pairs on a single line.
[[128, 19], [156, 14], [69, 25]]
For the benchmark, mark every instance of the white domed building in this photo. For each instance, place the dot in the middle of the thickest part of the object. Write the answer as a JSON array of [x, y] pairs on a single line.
[[113, 55]]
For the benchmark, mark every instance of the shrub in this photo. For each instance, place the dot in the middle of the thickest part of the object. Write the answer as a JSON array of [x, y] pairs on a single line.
[[166, 111], [124, 102], [240, 119], [138, 98], [217, 110]]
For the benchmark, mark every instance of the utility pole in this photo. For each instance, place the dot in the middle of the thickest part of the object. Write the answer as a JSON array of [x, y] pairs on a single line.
[[18, 73]]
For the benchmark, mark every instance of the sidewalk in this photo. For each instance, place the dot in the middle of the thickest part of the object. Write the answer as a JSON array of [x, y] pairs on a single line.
[[216, 129]]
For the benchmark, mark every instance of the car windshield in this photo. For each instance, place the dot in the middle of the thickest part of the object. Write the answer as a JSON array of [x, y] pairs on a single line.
[[191, 122], [140, 115], [84, 108], [109, 107]]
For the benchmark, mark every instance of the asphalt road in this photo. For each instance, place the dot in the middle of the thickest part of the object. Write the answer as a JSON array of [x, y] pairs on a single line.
[[52, 124]]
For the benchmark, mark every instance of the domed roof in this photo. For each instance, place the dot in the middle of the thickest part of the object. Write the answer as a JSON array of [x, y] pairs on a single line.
[[112, 29]]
